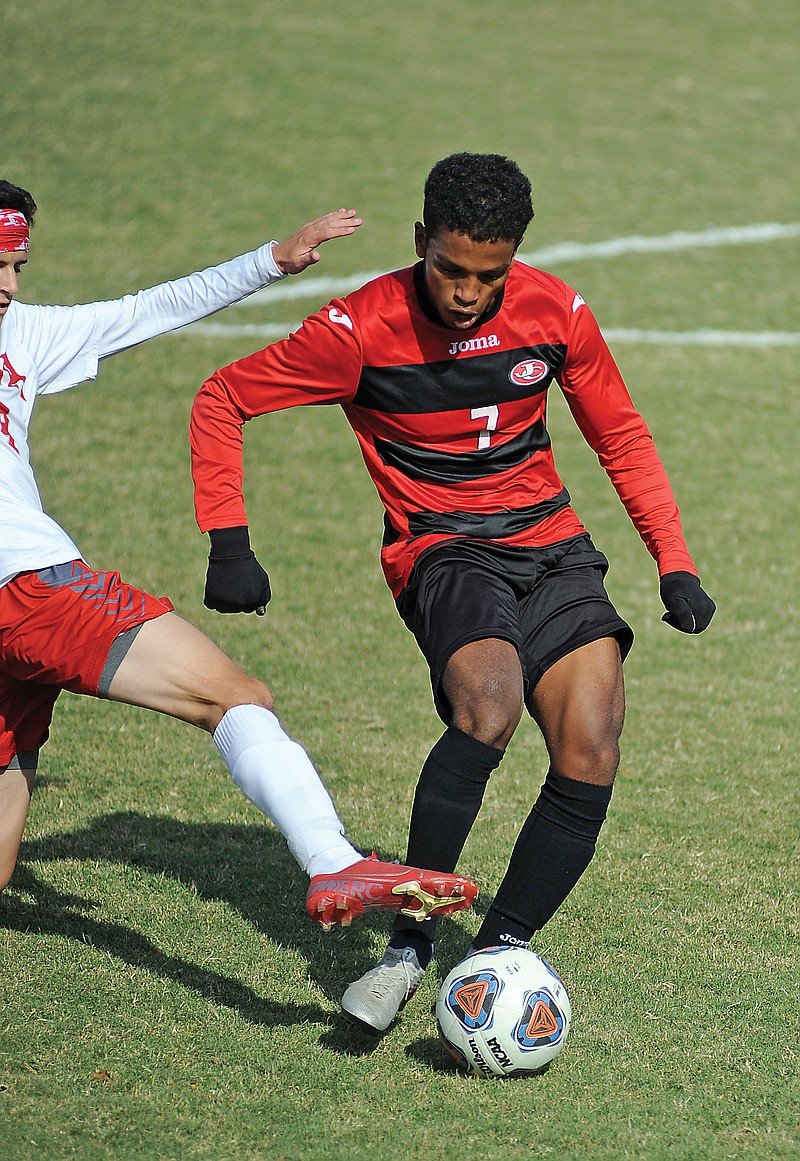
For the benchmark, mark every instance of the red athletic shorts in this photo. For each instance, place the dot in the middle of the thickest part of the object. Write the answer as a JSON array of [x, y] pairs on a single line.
[[57, 629]]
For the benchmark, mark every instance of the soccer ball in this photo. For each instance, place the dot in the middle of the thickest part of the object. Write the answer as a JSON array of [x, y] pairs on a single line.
[[503, 1012]]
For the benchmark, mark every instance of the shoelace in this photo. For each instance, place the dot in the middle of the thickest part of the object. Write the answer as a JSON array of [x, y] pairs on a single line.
[[382, 984]]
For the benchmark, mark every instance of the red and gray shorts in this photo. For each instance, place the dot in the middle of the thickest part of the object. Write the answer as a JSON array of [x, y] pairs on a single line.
[[64, 627]]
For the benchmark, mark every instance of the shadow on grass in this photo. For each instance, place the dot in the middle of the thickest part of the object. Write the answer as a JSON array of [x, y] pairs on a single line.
[[137, 950], [247, 867], [431, 1053]]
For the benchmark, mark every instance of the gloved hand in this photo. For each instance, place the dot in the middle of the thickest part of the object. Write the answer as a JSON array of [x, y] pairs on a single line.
[[689, 608], [235, 581]]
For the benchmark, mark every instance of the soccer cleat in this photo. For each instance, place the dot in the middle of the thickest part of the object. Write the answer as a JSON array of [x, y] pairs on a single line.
[[373, 1001], [370, 885]]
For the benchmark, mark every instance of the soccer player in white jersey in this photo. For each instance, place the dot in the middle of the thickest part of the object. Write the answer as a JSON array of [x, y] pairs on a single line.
[[64, 625]]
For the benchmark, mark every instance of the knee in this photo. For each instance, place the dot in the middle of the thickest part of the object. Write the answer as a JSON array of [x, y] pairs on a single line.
[[601, 747], [589, 759], [244, 691], [484, 685], [256, 694], [602, 763], [489, 719]]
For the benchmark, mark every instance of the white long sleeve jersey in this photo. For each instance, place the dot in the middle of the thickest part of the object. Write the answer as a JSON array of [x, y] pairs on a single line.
[[47, 349]]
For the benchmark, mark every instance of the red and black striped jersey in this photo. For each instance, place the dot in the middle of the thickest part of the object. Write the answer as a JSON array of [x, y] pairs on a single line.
[[451, 424]]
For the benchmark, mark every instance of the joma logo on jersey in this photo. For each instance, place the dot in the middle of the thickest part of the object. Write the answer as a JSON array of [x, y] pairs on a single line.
[[529, 371], [481, 344]]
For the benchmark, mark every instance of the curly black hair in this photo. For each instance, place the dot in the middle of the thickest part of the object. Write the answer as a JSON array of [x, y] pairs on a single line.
[[483, 195], [14, 197]]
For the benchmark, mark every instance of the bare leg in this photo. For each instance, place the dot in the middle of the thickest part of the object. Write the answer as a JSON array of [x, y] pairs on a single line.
[[174, 668], [16, 787], [579, 705], [171, 667], [483, 683]]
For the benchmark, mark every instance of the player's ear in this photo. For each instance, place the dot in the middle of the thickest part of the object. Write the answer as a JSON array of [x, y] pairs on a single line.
[[419, 239]]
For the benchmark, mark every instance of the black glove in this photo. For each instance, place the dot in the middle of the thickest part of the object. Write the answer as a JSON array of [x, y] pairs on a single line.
[[689, 608], [235, 581]]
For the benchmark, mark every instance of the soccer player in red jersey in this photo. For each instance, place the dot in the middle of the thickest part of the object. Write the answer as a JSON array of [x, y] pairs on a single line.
[[64, 625], [442, 370]]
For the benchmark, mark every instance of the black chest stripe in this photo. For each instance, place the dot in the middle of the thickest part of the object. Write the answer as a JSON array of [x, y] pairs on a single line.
[[489, 525], [438, 467], [476, 381]]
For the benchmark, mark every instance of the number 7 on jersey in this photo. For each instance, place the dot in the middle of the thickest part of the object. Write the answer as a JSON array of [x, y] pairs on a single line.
[[491, 414]]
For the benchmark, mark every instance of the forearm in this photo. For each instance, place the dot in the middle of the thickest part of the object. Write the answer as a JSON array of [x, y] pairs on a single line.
[[642, 484], [163, 308], [617, 433], [319, 363], [619, 436], [215, 435]]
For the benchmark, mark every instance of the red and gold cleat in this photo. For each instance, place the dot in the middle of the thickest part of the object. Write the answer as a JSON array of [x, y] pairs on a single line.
[[370, 885]]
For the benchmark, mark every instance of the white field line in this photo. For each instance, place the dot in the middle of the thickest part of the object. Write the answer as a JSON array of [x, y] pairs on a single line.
[[679, 240], [324, 288], [703, 338], [270, 332]]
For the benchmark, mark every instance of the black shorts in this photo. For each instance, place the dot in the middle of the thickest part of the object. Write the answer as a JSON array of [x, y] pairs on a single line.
[[546, 601]]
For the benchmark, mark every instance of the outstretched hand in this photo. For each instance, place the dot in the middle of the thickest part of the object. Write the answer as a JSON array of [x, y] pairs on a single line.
[[301, 249]]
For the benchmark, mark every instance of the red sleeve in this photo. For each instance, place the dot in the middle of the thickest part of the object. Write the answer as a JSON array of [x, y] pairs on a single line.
[[614, 429], [319, 363]]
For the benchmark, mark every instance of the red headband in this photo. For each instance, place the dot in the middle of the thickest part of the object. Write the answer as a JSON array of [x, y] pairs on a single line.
[[14, 231]]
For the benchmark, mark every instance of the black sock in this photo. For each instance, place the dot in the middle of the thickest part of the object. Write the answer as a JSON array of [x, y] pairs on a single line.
[[554, 848], [446, 803], [421, 943]]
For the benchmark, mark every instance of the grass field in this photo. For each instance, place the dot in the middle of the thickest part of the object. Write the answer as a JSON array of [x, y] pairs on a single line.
[[161, 993]]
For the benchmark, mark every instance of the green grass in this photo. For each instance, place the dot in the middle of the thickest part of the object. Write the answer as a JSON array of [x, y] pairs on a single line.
[[161, 994]]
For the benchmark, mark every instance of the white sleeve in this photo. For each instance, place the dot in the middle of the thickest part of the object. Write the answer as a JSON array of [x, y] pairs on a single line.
[[71, 340]]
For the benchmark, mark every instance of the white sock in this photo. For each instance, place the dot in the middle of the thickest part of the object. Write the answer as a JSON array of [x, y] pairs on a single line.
[[278, 776]]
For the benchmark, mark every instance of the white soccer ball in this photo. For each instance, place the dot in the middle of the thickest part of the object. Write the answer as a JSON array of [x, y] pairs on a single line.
[[503, 1012]]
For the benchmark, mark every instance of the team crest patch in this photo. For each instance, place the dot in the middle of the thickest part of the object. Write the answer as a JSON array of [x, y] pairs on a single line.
[[529, 371]]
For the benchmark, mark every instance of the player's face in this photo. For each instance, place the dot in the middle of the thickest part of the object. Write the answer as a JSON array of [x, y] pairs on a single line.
[[463, 277], [10, 265]]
